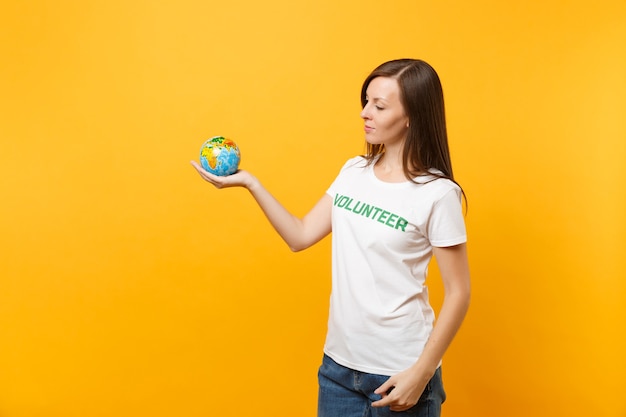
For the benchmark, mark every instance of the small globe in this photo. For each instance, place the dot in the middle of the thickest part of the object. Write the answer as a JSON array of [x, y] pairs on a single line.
[[220, 156]]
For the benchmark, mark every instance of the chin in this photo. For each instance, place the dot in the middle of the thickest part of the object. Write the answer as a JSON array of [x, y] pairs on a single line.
[[372, 141]]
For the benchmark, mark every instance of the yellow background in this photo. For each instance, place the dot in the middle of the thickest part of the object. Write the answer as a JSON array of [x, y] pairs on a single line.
[[129, 287]]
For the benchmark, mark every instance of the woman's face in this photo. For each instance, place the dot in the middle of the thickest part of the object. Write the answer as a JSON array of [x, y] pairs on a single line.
[[385, 120]]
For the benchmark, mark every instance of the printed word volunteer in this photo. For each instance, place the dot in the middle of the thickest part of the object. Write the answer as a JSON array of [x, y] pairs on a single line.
[[371, 212]]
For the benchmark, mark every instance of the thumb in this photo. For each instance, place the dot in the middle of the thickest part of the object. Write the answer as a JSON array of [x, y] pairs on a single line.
[[384, 388]]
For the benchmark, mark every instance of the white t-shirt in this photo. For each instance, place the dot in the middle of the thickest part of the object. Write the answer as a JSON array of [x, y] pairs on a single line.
[[382, 238]]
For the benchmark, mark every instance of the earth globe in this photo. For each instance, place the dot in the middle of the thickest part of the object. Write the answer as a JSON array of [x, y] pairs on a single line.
[[220, 156]]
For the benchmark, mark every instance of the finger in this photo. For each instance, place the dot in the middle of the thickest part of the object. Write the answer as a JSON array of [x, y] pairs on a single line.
[[383, 402], [204, 173], [385, 387], [198, 167]]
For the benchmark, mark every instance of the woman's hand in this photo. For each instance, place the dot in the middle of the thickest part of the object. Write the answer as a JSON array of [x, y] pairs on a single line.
[[401, 391], [238, 179]]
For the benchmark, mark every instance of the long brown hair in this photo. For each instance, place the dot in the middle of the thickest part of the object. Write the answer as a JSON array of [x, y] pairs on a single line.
[[426, 145]]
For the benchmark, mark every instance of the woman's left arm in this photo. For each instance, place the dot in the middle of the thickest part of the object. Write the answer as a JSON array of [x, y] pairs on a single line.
[[409, 384]]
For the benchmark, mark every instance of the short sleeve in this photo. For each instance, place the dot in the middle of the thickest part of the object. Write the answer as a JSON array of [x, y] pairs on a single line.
[[351, 162], [446, 225]]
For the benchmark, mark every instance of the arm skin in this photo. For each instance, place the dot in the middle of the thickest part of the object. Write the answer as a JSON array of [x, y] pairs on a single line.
[[298, 233], [409, 384]]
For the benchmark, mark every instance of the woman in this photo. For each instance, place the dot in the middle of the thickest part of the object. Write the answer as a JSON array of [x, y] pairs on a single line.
[[389, 211]]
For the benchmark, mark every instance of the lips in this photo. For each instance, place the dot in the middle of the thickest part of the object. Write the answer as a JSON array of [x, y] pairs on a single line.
[[368, 129]]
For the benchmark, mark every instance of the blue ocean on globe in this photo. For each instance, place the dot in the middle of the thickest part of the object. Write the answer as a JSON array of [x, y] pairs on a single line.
[[220, 156]]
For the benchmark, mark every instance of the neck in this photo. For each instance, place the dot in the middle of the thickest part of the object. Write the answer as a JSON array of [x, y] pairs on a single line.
[[391, 159]]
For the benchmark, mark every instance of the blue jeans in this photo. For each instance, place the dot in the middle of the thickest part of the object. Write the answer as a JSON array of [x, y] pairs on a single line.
[[344, 392]]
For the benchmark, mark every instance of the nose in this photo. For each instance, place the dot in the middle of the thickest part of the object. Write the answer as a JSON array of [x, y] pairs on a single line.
[[365, 113]]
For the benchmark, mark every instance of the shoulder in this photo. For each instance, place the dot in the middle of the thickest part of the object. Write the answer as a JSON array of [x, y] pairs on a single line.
[[437, 187], [446, 185], [357, 162]]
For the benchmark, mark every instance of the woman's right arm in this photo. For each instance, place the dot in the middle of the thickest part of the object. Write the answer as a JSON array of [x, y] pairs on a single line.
[[298, 233]]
